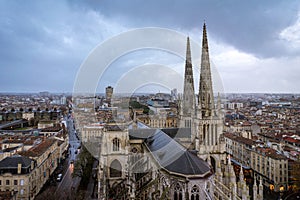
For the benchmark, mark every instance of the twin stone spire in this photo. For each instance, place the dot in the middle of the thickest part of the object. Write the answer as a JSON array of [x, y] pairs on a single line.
[[205, 103]]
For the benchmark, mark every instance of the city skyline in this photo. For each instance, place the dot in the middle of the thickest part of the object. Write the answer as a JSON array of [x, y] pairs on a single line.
[[253, 45]]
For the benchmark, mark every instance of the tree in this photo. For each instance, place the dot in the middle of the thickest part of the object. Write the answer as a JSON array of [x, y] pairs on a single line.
[[81, 164], [137, 105]]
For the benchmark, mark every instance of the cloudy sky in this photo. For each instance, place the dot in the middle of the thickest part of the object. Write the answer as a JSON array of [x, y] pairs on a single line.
[[254, 45]]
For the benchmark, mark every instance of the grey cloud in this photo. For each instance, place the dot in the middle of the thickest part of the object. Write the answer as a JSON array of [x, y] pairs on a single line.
[[35, 54], [251, 26]]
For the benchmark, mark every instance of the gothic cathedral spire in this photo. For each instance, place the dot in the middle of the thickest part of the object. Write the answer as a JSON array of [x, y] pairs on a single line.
[[208, 123], [188, 99], [206, 98]]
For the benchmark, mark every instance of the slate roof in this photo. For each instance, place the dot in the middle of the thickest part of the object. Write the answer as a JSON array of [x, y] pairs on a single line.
[[12, 162], [141, 133], [170, 155], [172, 132], [178, 132], [52, 129]]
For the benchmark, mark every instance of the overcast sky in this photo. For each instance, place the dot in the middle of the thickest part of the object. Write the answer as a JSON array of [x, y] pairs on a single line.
[[254, 45]]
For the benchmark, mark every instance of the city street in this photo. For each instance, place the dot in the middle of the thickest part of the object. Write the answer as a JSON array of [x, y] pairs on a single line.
[[66, 188], [68, 185]]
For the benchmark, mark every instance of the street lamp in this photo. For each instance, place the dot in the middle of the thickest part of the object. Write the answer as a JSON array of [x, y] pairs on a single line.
[[281, 190]]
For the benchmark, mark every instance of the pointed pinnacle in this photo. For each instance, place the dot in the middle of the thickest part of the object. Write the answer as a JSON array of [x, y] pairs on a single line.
[[204, 39], [188, 51]]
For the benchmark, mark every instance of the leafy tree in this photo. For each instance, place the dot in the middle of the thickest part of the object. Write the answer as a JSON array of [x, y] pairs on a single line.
[[84, 158], [137, 105]]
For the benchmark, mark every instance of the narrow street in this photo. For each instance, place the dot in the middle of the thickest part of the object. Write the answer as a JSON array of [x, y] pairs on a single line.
[[66, 188]]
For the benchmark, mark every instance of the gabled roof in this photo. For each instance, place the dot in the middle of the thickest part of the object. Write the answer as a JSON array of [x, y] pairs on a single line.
[[12, 162], [172, 132], [141, 133], [178, 132], [173, 157]]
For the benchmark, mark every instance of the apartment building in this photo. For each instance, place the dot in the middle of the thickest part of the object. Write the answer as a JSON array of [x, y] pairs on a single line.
[[272, 167], [45, 156], [16, 175]]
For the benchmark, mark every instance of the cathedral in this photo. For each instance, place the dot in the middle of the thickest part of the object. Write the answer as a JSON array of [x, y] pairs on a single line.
[[137, 161]]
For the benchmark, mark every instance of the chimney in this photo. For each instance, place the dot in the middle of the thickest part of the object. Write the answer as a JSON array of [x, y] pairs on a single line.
[[32, 165], [19, 168]]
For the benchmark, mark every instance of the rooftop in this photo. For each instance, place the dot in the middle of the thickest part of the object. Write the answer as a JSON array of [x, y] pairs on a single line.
[[170, 155], [12, 162], [39, 149]]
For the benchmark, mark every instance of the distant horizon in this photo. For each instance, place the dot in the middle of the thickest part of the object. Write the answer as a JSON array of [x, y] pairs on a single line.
[[122, 93], [45, 49]]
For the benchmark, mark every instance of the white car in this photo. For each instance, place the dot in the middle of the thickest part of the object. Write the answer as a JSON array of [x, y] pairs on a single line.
[[59, 177]]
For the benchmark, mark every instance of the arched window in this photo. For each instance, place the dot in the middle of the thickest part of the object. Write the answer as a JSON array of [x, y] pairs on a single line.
[[195, 194], [115, 169], [178, 192], [116, 144]]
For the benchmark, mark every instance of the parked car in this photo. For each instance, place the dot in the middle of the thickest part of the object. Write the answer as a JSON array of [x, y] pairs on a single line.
[[59, 177]]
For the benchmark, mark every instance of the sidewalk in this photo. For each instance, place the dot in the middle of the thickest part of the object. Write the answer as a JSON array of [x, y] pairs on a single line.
[[49, 190]]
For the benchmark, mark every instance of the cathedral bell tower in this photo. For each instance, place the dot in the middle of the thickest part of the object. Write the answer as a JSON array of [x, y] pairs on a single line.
[[202, 117], [208, 121]]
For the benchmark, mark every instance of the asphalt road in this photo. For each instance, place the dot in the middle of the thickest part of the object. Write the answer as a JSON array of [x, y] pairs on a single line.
[[65, 189]]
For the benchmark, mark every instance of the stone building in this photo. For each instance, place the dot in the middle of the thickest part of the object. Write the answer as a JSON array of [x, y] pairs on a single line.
[[46, 158], [108, 94], [25, 174], [266, 166], [187, 162], [271, 167], [203, 117], [16, 176], [167, 121], [148, 164]]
